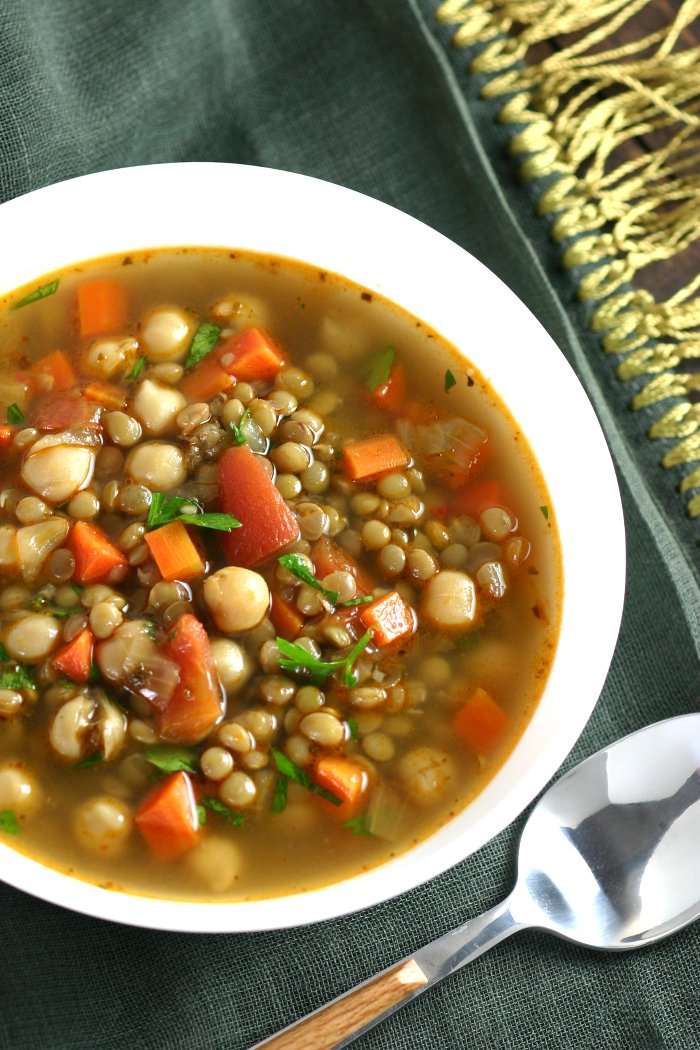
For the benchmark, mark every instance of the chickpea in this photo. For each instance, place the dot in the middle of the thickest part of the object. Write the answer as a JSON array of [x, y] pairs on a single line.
[[157, 464], [238, 599], [32, 638], [427, 773], [166, 334], [216, 862], [103, 825], [449, 600], [104, 357], [19, 790], [56, 472], [156, 407], [8, 546], [232, 663]]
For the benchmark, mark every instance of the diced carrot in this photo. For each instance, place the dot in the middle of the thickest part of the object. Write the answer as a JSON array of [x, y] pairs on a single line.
[[167, 818], [7, 433], [206, 380], [66, 411], [286, 618], [369, 457], [419, 413], [96, 557], [107, 395], [57, 368], [480, 722], [328, 556], [75, 659], [389, 618], [102, 307], [477, 497], [197, 702], [251, 355], [345, 779], [391, 394], [174, 552], [247, 491]]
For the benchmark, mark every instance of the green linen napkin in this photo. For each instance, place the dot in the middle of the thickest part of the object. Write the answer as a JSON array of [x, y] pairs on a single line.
[[370, 95]]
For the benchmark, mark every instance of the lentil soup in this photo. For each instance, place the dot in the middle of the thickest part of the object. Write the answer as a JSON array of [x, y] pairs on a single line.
[[280, 578]]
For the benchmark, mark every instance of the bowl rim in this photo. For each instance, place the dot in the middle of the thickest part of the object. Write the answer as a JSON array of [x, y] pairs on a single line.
[[328, 226]]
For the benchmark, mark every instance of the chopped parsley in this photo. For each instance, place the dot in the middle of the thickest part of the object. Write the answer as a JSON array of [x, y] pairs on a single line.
[[358, 825], [8, 822], [296, 564], [93, 759], [279, 799], [213, 804], [290, 769], [164, 509], [357, 601], [171, 758], [18, 676], [203, 342], [138, 368], [450, 380], [380, 368], [298, 661], [352, 726], [15, 415], [545, 512], [41, 292]]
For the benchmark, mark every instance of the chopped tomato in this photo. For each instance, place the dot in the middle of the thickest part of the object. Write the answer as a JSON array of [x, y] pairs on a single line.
[[328, 556], [67, 412], [167, 818], [197, 702], [389, 618], [286, 618], [247, 491]]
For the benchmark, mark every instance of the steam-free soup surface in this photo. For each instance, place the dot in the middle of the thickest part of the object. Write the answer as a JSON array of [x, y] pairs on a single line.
[[280, 579]]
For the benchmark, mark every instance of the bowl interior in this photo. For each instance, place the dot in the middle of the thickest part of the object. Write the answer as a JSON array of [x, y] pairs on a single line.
[[389, 253]]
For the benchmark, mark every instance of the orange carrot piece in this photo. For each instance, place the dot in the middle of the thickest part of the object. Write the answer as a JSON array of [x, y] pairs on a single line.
[[369, 457], [174, 552], [286, 618], [102, 307], [477, 497], [251, 355], [7, 433], [96, 557], [197, 702], [480, 722], [345, 779], [107, 395], [57, 368], [389, 618], [167, 818], [205, 381], [64, 412], [75, 659], [391, 394]]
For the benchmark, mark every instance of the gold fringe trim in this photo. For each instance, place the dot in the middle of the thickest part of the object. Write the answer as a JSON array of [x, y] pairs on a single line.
[[611, 118]]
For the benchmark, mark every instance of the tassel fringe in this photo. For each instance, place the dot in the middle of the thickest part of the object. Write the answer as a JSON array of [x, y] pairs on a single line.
[[611, 120]]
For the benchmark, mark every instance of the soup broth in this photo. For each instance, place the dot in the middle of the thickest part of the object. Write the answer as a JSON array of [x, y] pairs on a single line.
[[280, 577]]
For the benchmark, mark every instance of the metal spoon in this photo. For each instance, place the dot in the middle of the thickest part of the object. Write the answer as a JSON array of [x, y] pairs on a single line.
[[609, 858]]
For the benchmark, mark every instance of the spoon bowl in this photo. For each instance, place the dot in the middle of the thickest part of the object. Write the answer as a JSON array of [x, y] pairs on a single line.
[[609, 858]]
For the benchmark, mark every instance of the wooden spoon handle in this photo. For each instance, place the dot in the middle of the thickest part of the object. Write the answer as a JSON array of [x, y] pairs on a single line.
[[329, 1026]]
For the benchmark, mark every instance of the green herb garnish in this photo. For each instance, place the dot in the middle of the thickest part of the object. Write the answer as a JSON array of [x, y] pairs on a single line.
[[8, 822], [545, 512], [299, 661], [450, 380], [41, 292], [203, 341], [201, 814], [290, 769], [164, 509], [279, 799], [380, 368], [20, 677], [238, 435], [358, 825], [362, 600], [93, 759], [296, 564], [170, 758], [4, 655], [234, 819], [138, 368], [15, 415]]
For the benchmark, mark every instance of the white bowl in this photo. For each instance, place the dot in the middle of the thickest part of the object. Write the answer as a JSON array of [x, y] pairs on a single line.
[[435, 280]]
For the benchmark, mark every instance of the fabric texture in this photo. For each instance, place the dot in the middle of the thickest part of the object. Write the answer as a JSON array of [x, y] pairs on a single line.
[[373, 96]]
